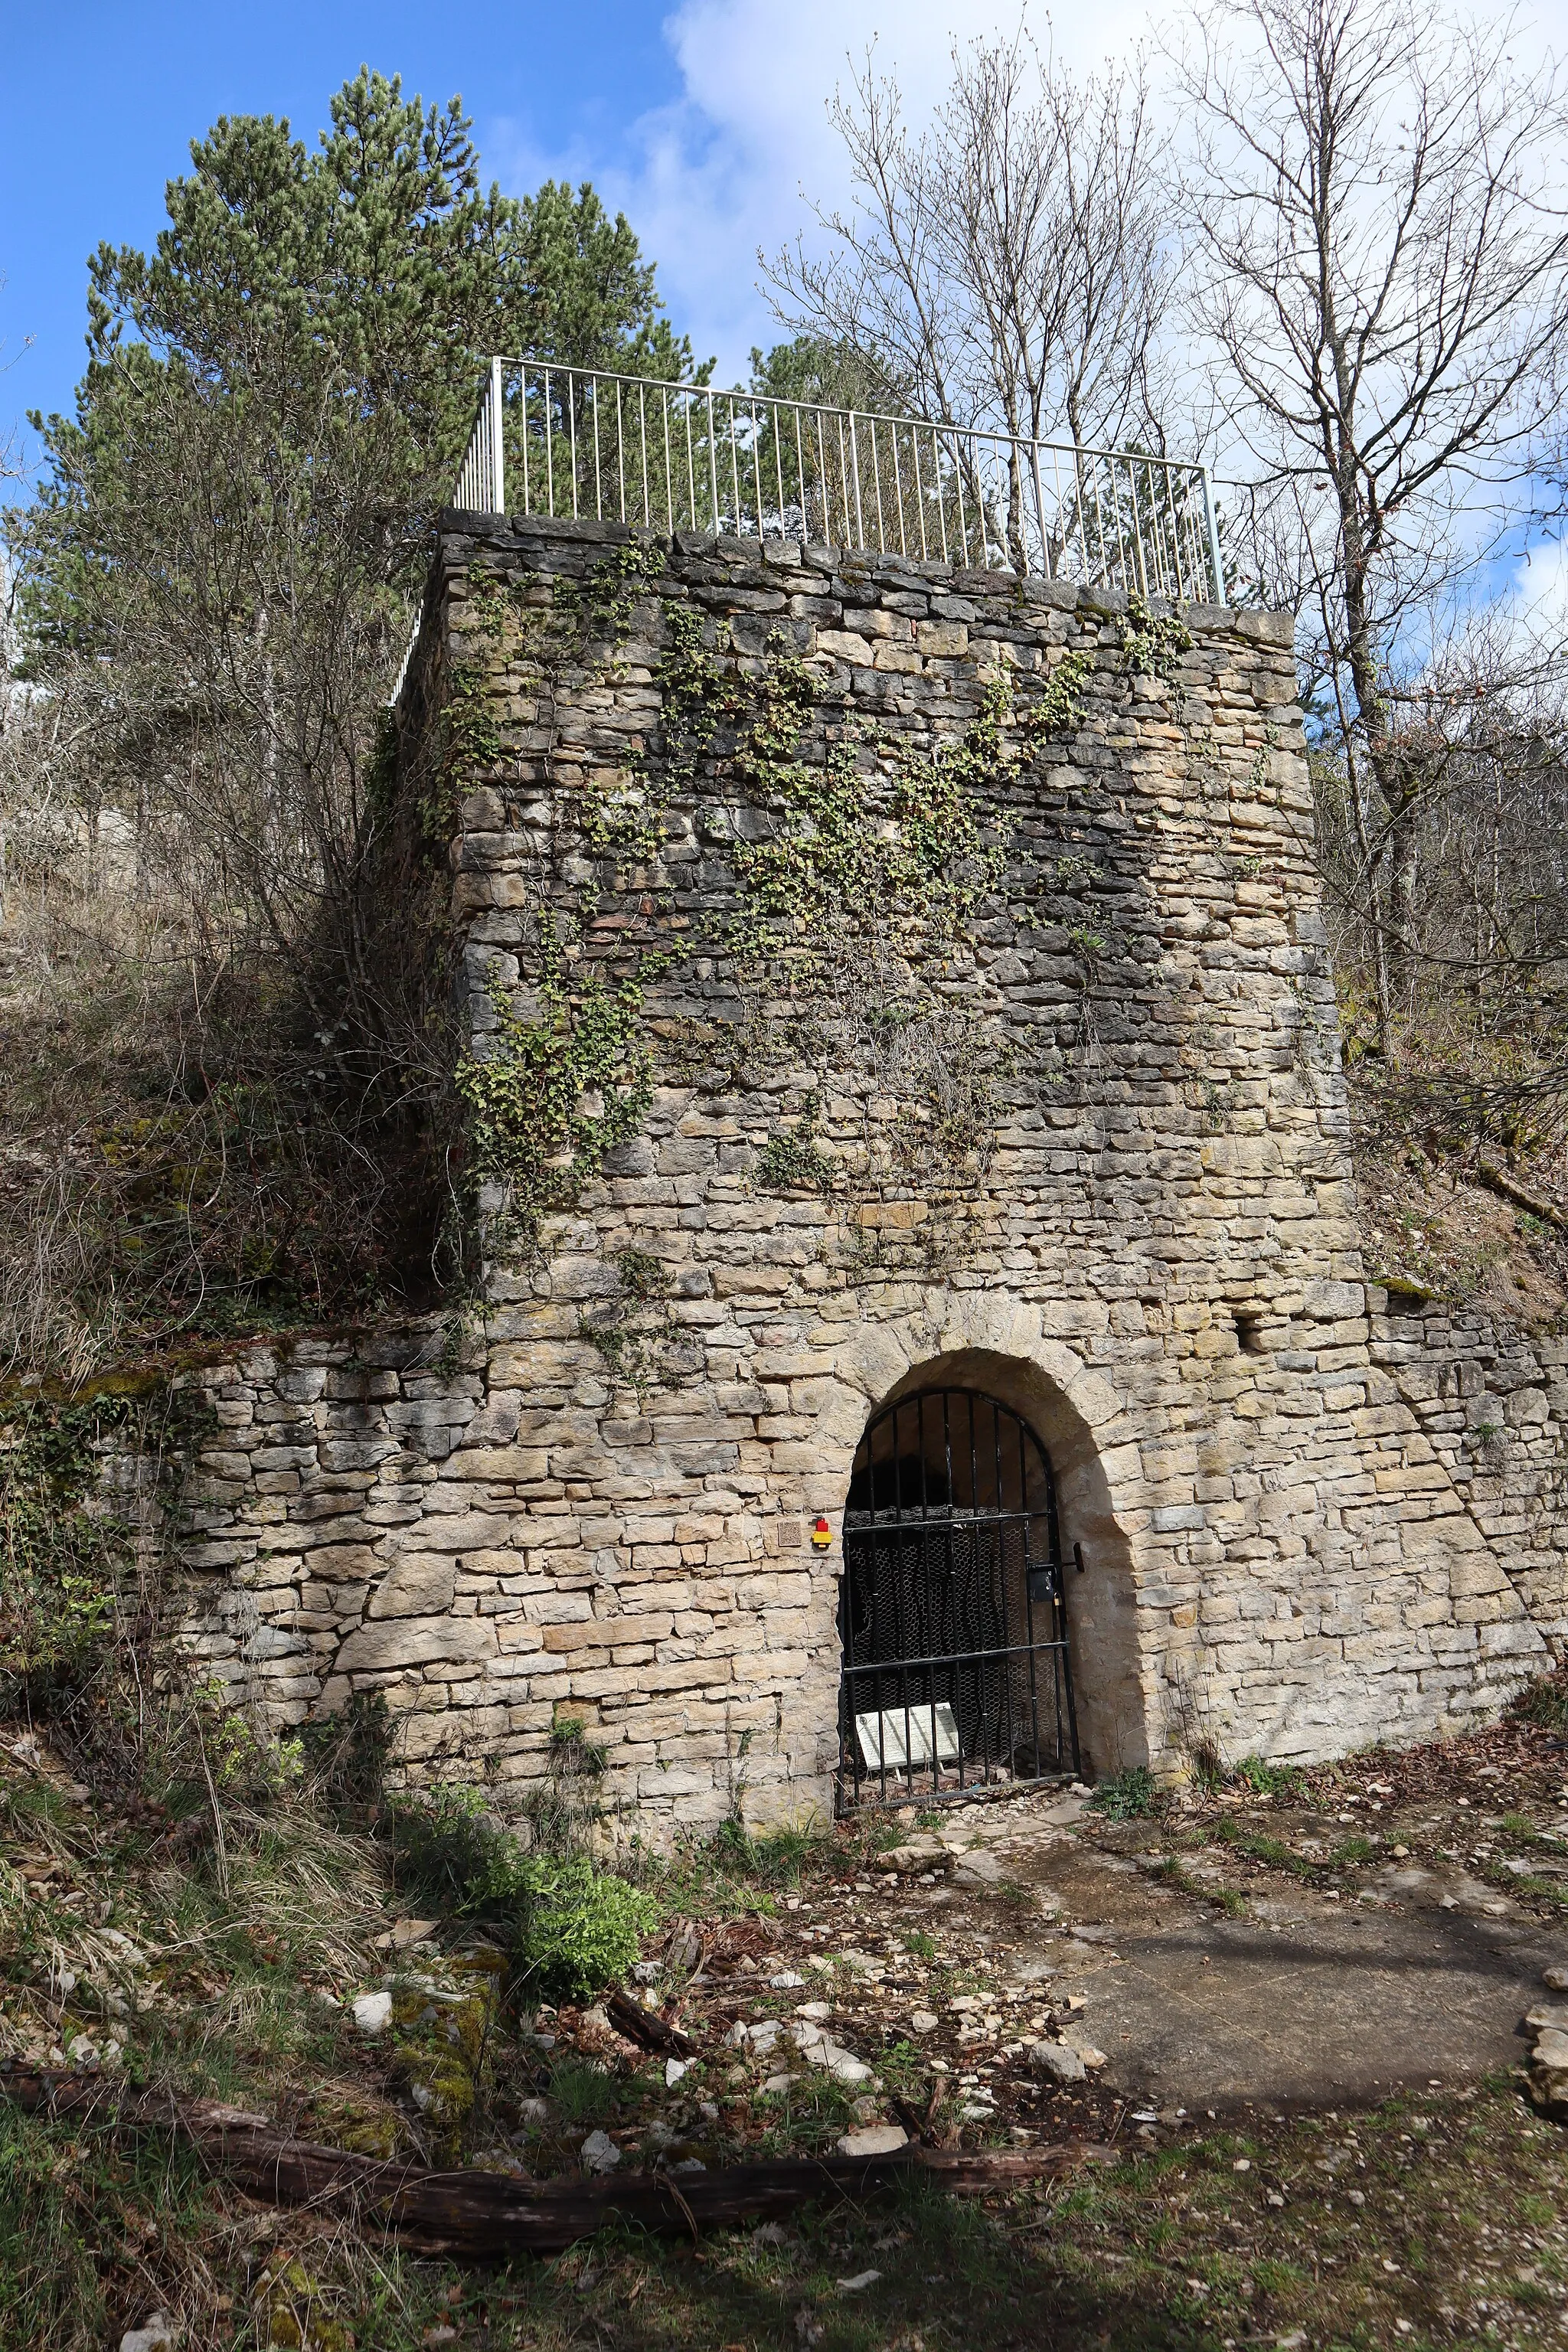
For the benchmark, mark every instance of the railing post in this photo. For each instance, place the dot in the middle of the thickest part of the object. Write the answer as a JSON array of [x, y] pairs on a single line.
[[1211, 516], [497, 446]]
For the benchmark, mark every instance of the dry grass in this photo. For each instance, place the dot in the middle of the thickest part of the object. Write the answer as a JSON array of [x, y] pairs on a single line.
[[188, 1147]]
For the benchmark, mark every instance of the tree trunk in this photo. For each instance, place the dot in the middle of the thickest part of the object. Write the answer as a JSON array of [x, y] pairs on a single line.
[[1392, 871], [489, 2216]]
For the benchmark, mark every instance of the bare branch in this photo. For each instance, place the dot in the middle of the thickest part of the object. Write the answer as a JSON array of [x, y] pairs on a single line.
[[1009, 267]]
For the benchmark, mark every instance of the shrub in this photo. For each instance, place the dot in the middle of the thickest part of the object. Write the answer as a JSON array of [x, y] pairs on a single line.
[[581, 1927], [1544, 1702], [573, 1929], [1269, 1779], [345, 1756], [1127, 1795], [444, 1846], [62, 1559]]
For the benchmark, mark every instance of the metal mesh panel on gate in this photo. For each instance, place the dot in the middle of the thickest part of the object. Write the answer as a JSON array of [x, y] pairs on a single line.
[[956, 1667]]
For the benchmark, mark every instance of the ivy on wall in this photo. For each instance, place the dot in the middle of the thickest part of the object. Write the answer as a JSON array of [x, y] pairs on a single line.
[[551, 1097], [859, 863], [635, 1333], [66, 1548]]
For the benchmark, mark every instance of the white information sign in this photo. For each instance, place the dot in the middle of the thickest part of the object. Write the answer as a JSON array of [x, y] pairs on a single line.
[[908, 1736]]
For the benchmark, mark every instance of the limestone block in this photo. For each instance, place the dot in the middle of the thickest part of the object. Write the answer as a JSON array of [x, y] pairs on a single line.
[[843, 644], [415, 1640], [417, 1584], [466, 1532]]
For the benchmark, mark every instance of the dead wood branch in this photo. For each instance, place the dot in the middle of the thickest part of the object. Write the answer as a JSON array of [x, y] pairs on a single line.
[[1520, 1194], [647, 2029], [489, 2216]]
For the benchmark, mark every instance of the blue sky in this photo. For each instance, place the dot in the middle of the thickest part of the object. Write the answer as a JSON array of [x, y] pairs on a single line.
[[101, 99], [704, 119], [700, 118]]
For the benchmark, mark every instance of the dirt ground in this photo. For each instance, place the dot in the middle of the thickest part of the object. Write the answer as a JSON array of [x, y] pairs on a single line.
[[1429, 1218], [1376, 1930], [1297, 2003]]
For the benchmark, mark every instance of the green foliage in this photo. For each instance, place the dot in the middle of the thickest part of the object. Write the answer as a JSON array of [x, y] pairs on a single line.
[[1269, 1779], [813, 2112], [1153, 645], [215, 581], [791, 1161], [549, 1099], [626, 826], [470, 730], [573, 1929], [820, 373], [583, 1928], [636, 1334], [777, 1859], [1058, 708], [344, 1756], [329, 298], [583, 2092], [858, 827], [561, 1809], [1127, 1796], [586, 296], [58, 1563], [940, 846], [311, 306], [823, 373], [65, 1554], [446, 1846]]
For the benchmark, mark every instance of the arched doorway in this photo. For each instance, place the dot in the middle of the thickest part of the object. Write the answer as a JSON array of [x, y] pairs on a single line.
[[955, 1667]]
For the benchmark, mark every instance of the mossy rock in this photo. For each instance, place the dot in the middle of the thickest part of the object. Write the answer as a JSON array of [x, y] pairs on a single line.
[[443, 2024], [1405, 1297], [484, 1963], [363, 2128], [440, 2039], [288, 2302], [443, 2089]]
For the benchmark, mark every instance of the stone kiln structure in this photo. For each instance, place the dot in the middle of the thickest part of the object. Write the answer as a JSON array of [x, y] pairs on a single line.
[[878, 979]]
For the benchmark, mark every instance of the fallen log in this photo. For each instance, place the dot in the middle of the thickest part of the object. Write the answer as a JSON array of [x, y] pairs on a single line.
[[1522, 1196], [489, 2216], [647, 2029]]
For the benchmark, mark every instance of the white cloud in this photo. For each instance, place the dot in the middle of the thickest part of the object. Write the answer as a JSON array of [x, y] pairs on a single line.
[[719, 174], [1539, 591], [710, 178]]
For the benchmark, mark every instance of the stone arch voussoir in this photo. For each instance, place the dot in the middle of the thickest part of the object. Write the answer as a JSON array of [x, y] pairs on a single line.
[[1001, 1348]]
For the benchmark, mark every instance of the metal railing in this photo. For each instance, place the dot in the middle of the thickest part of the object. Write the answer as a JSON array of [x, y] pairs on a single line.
[[572, 443]]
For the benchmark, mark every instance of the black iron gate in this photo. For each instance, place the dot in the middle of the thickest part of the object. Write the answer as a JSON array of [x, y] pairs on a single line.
[[956, 1672]]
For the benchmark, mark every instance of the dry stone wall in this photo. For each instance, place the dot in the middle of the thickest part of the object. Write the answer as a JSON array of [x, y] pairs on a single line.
[[1492, 1403], [876, 975]]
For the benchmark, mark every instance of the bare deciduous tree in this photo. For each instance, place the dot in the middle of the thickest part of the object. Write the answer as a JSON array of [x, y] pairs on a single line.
[[1382, 274], [1006, 267]]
